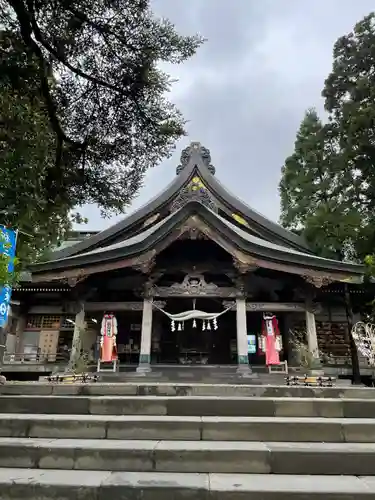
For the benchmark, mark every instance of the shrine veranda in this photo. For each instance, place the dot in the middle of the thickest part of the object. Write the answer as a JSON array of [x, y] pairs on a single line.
[[188, 277]]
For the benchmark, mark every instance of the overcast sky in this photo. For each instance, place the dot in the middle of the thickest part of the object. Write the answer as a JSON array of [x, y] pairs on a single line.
[[246, 90]]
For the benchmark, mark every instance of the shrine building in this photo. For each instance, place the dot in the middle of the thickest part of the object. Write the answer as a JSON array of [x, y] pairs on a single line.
[[194, 247]]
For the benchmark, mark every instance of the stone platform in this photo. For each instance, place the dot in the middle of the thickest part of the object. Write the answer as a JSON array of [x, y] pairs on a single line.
[[180, 442], [141, 388], [194, 374]]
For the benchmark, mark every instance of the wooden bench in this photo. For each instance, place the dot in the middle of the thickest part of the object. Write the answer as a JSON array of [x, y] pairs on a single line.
[[310, 381], [73, 377]]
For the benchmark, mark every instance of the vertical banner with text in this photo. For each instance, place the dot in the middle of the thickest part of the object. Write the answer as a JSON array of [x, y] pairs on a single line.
[[8, 241]]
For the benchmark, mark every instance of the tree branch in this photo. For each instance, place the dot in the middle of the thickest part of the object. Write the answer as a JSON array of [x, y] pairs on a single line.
[[102, 29], [26, 32], [39, 37]]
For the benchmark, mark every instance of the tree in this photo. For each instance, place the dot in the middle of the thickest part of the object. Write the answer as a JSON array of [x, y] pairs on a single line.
[[97, 108], [27, 154], [349, 93], [337, 209], [314, 200]]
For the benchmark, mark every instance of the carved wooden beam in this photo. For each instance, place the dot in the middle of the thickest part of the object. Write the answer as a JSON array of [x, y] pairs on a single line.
[[244, 266], [193, 285], [145, 263], [89, 270], [119, 306], [318, 281], [73, 281], [271, 306]]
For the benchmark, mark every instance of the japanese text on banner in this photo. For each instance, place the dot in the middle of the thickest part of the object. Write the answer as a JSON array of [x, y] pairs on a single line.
[[8, 241]]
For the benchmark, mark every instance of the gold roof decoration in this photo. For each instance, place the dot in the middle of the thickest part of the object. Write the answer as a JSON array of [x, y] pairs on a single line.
[[238, 218], [196, 184]]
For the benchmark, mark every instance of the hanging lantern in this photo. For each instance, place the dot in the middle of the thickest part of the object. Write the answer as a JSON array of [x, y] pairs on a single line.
[[215, 323], [173, 327], [194, 324], [179, 327], [183, 325], [203, 325], [208, 325]]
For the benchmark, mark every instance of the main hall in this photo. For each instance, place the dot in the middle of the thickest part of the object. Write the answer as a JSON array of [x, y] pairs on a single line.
[[189, 279]]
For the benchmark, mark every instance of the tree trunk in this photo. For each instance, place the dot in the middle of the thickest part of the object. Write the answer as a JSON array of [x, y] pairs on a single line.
[[356, 373]]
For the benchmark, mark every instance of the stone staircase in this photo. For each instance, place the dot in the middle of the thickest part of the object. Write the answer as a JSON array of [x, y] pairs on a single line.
[[172, 442]]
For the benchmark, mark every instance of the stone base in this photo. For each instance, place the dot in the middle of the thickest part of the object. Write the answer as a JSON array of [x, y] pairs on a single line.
[[315, 372], [144, 368], [244, 370], [47, 483]]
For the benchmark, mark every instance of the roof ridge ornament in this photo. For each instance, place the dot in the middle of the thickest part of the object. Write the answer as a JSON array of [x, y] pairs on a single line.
[[198, 154], [195, 190]]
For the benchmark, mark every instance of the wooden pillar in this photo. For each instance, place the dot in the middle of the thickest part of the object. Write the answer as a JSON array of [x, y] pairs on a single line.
[[144, 365], [20, 328], [242, 351], [312, 338], [79, 327]]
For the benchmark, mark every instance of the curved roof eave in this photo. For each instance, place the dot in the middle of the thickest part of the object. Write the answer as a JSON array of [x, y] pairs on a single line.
[[169, 192], [258, 219], [147, 239], [129, 220]]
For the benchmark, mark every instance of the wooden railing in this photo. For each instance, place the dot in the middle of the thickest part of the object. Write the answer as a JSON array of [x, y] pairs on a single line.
[[34, 358]]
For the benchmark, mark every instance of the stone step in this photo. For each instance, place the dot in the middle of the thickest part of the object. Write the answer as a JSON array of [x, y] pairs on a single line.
[[232, 457], [168, 389], [296, 429], [101, 485], [190, 406]]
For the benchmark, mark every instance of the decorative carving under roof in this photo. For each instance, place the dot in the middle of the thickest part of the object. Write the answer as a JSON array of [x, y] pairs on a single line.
[[192, 233], [195, 149], [193, 285], [244, 267], [72, 282], [144, 264], [318, 281], [195, 190]]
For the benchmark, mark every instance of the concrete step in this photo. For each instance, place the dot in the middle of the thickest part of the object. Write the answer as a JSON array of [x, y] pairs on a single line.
[[169, 389], [100, 485], [232, 457], [296, 429], [191, 406]]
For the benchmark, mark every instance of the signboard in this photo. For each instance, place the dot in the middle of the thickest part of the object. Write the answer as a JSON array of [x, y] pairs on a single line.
[[8, 241], [251, 344]]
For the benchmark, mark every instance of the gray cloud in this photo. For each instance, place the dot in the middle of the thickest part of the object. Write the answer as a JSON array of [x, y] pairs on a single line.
[[245, 92]]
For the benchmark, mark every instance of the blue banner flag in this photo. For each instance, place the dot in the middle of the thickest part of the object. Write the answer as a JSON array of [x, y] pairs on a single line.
[[8, 242]]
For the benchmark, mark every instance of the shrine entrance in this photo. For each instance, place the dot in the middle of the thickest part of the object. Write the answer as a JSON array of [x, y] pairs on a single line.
[[197, 342]]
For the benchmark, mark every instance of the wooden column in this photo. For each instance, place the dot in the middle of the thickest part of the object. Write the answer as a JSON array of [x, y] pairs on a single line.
[[312, 338], [242, 352], [79, 326], [145, 353]]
